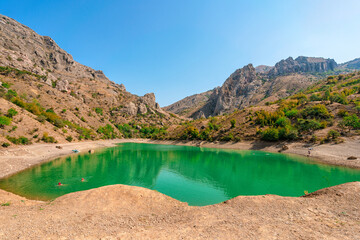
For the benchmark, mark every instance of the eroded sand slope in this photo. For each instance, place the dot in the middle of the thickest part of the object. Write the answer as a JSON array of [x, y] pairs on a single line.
[[120, 211]]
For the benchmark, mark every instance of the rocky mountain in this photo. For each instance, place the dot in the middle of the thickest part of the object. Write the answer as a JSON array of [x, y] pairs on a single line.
[[251, 86], [35, 69]]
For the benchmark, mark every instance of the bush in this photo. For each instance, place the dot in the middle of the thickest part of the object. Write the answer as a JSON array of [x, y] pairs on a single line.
[[11, 113], [351, 121], [107, 131], [233, 122], [48, 139], [282, 122], [332, 134], [308, 125], [99, 111], [69, 138], [293, 113], [316, 111], [270, 134], [126, 130], [191, 133], [342, 113], [288, 133], [20, 141], [5, 145], [4, 121]]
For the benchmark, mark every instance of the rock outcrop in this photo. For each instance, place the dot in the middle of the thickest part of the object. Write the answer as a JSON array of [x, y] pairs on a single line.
[[250, 86], [304, 65]]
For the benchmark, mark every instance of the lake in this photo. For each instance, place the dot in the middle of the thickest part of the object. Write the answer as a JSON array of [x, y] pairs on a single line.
[[198, 176]]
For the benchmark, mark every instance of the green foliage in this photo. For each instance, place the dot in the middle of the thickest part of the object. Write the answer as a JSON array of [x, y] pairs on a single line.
[[333, 134], [270, 134], [292, 114], [11, 113], [99, 111], [232, 122], [8, 70], [265, 118], [318, 111], [190, 133], [342, 113], [288, 133], [126, 130], [5, 144], [4, 121], [107, 131], [282, 122], [48, 139], [19, 141], [308, 125], [351, 121], [69, 138]]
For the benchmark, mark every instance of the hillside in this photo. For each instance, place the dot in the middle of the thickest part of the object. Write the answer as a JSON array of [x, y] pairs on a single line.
[[323, 112], [252, 86], [55, 99]]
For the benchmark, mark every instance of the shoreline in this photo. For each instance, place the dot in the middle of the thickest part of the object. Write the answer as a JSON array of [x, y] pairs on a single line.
[[16, 159], [127, 212]]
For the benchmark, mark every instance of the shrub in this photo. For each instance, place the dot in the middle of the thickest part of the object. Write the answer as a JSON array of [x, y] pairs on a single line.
[[126, 130], [282, 122], [351, 121], [308, 124], [316, 111], [107, 131], [288, 133], [190, 132], [4, 121], [270, 134], [228, 137], [233, 122], [332, 134], [48, 139], [69, 138], [59, 123], [5, 144], [342, 113], [20, 141], [293, 113], [11, 113], [99, 111]]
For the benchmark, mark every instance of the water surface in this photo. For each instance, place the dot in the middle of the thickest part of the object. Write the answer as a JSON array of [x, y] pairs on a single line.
[[199, 176]]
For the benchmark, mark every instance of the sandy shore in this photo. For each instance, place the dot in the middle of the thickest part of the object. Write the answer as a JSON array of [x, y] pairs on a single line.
[[126, 212], [18, 158]]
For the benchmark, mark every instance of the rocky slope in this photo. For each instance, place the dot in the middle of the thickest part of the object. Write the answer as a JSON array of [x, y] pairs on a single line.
[[251, 86], [43, 74]]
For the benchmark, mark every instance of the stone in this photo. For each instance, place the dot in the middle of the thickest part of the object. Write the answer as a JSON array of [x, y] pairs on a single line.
[[142, 109]]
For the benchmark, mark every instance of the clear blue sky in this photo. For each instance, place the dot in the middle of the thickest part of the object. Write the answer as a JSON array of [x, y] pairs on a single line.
[[178, 48]]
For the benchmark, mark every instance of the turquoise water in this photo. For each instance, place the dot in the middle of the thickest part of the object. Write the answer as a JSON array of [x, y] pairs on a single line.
[[199, 176]]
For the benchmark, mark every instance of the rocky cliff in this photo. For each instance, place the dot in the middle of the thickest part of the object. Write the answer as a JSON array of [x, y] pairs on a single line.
[[250, 86], [38, 70]]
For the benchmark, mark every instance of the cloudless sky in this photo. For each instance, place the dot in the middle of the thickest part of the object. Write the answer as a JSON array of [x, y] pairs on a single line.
[[179, 48]]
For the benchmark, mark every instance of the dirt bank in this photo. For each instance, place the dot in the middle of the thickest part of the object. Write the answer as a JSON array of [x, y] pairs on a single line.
[[124, 212]]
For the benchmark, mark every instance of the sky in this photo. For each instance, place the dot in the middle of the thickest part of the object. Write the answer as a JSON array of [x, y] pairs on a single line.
[[179, 48]]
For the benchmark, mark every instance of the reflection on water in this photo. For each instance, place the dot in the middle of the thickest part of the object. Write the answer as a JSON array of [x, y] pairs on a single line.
[[199, 176]]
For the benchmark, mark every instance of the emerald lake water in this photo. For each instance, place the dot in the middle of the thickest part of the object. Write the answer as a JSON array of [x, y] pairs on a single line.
[[199, 176]]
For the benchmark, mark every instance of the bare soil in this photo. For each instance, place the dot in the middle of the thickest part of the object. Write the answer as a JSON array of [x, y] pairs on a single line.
[[126, 212]]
